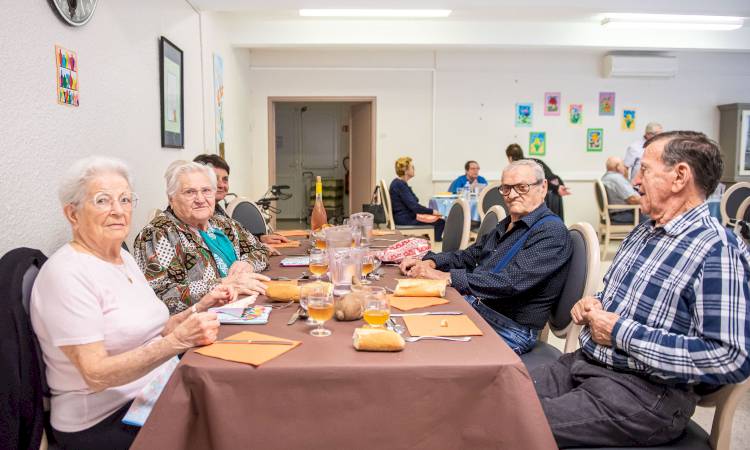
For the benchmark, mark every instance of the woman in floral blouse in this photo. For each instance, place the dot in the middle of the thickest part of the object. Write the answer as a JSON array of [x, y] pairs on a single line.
[[186, 250]]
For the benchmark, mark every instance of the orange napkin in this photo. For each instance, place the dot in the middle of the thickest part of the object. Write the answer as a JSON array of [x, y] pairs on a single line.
[[293, 233], [409, 303], [248, 353], [419, 287], [382, 232], [431, 326], [290, 244]]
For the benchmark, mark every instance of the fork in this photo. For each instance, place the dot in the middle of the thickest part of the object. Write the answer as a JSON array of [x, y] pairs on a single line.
[[442, 338]]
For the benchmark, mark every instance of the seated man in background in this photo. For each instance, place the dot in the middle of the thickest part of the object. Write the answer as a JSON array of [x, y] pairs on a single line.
[[471, 177], [634, 152], [221, 168], [620, 192], [514, 275], [672, 319]]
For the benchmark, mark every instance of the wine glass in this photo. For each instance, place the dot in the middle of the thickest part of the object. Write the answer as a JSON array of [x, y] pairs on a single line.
[[320, 309], [377, 306], [308, 290], [370, 263], [318, 263], [319, 240]]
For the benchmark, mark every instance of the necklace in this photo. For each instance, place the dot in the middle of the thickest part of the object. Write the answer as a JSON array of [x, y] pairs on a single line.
[[120, 267], [124, 272]]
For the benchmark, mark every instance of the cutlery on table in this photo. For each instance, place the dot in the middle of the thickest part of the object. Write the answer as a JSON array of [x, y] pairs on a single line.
[[295, 316], [394, 326], [428, 313], [253, 341], [437, 338]]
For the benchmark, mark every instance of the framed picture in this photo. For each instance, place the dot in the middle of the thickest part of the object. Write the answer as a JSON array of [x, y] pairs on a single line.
[[594, 139], [551, 103], [524, 114], [172, 94], [537, 143], [606, 103], [745, 143]]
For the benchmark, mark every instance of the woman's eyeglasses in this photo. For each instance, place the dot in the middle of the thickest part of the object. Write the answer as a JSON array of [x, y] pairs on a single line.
[[191, 194], [105, 201]]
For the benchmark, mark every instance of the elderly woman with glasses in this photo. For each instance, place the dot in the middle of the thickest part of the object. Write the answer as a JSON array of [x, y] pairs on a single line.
[[187, 249], [103, 333]]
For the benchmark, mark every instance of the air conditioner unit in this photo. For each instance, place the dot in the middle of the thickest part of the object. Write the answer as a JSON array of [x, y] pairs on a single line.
[[639, 66]]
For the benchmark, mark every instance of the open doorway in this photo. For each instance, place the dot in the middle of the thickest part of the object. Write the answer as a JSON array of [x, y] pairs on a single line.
[[331, 137]]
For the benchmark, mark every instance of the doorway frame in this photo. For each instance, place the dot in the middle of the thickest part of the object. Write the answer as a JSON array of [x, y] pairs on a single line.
[[273, 100]]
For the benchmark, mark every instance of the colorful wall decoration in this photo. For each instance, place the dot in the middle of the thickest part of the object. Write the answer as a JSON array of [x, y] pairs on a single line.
[[628, 119], [524, 114], [575, 114], [594, 140], [537, 143], [67, 76], [551, 103], [219, 103], [606, 103]]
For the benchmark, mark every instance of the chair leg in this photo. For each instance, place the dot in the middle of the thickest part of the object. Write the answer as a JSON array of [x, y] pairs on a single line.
[[605, 247]]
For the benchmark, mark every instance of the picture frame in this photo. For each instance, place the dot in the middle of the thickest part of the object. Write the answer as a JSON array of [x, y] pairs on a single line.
[[171, 90], [537, 143], [744, 150], [594, 139]]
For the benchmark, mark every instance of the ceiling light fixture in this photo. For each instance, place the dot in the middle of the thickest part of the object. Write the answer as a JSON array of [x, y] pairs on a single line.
[[375, 12], [671, 21]]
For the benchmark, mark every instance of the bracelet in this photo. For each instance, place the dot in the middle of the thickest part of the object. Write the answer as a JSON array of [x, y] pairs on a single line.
[[194, 309]]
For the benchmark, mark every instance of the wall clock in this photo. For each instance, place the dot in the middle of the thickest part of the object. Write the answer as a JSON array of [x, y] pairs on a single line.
[[75, 12]]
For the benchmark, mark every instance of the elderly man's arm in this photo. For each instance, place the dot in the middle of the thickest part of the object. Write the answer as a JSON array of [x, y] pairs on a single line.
[[718, 354], [546, 251], [460, 259]]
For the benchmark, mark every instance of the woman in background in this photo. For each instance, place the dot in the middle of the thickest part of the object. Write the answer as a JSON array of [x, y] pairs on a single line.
[[405, 204]]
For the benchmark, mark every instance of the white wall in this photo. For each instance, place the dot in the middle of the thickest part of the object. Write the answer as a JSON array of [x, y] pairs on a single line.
[[118, 113]]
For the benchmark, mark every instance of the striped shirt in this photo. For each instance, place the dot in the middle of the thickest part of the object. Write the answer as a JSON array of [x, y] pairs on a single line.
[[682, 294]]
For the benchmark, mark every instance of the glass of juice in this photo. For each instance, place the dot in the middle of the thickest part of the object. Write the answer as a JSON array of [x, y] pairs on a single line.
[[320, 309], [376, 305], [370, 263], [318, 263]]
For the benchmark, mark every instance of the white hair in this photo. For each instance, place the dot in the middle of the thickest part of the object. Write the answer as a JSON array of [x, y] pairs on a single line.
[[538, 171], [652, 126], [73, 185], [181, 167]]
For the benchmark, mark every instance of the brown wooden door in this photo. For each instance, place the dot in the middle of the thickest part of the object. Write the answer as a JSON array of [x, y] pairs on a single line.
[[362, 153]]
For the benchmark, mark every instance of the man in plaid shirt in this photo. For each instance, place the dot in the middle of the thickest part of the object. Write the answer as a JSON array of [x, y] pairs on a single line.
[[672, 319]]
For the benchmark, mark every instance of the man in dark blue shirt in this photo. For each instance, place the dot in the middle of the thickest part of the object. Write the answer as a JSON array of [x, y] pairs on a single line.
[[514, 275]]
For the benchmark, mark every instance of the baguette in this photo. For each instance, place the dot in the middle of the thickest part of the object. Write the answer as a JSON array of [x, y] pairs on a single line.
[[377, 340], [417, 287]]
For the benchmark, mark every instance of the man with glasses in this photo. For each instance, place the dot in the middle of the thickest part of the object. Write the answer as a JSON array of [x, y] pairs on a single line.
[[514, 275], [471, 177]]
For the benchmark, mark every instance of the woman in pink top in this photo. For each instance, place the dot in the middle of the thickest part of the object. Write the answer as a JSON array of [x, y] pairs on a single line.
[[103, 332]]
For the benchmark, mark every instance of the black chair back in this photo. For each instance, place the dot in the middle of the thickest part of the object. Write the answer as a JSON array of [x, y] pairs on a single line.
[[734, 200], [575, 284], [488, 224], [250, 217], [492, 198], [454, 228]]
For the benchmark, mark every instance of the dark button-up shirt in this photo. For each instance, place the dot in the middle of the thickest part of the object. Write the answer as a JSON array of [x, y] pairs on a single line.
[[528, 287]]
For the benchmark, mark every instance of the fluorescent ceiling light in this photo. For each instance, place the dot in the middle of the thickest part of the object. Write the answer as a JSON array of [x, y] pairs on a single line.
[[375, 12], [671, 21]]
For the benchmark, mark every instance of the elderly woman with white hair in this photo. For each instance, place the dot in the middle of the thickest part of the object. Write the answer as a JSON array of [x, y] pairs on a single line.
[[103, 333], [186, 250]]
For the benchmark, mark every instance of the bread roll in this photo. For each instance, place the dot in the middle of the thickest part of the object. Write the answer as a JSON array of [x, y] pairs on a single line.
[[282, 291], [416, 287], [377, 340]]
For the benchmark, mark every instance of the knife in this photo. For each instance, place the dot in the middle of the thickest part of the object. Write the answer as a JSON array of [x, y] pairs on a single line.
[[429, 313], [253, 341], [295, 316]]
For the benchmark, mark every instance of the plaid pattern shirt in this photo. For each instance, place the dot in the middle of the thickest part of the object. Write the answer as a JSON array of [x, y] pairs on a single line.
[[682, 294]]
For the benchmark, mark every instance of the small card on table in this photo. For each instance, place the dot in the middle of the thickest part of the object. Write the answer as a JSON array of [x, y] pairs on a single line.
[[254, 354], [436, 325]]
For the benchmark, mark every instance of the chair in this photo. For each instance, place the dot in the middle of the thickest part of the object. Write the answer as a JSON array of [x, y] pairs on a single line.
[[248, 215], [153, 213], [743, 221], [407, 230], [607, 230], [583, 271], [457, 226], [493, 217], [731, 201], [489, 197]]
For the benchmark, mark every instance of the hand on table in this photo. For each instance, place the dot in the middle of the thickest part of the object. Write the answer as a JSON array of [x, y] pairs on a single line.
[[273, 239], [220, 295], [198, 329], [271, 251], [239, 267], [425, 270], [247, 283]]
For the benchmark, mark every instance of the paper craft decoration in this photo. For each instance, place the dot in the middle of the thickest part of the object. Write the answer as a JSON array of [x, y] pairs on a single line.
[[144, 402], [67, 76], [537, 143], [219, 101], [594, 140], [437, 325], [575, 114], [254, 354], [628, 119], [606, 103], [524, 114], [551, 103], [410, 303]]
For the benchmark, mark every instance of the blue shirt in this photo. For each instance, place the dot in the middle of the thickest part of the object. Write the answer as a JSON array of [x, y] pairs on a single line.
[[527, 288], [682, 294], [460, 182]]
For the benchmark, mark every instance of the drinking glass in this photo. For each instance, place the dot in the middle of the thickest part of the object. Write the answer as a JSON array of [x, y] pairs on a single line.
[[319, 240], [370, 263], [377, 306], [320, 309], [318, 263], [308, 290]]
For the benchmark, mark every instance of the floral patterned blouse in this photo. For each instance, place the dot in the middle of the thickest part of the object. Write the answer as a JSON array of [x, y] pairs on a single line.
[[180, 267]]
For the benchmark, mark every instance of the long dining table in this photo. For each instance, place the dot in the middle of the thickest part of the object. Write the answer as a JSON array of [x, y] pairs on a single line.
[[325, 394]]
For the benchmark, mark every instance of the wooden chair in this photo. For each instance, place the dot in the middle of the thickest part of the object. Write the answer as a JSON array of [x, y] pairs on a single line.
[[731, 201], [248, 215], [407, 230], [582, 279], [457, 226], [493, 217], [489, 197], [607, 230]]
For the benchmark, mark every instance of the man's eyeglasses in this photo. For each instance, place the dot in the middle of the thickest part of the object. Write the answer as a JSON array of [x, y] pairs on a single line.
[[521, 188], [191, 194], [105, 201]]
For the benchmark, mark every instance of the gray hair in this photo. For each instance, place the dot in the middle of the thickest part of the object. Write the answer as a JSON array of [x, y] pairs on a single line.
[[72, 188], [538, 171], [181, 167], [651, 127]]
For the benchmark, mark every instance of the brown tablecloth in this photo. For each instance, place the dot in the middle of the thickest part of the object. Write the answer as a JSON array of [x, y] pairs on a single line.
[[324, 394]]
